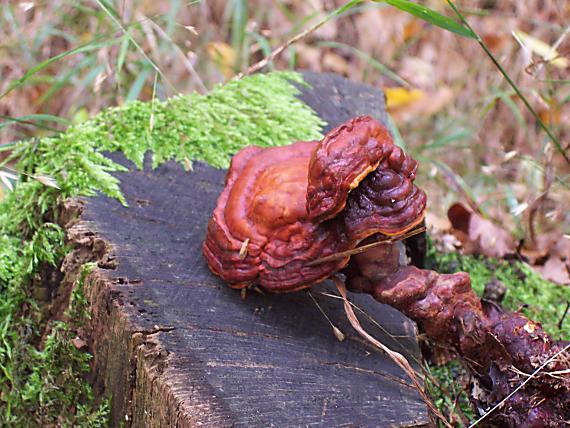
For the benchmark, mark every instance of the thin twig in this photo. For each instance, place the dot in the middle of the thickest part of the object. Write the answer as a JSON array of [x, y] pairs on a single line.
[[563, 316], [518, 388], [547, 181], [398, 358], [274, 54]]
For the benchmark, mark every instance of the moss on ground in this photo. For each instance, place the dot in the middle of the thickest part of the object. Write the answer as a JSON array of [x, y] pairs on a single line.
[[42, 381], [539, 299]]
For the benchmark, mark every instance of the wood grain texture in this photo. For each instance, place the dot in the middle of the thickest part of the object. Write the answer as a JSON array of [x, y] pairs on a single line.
[[176, 347]]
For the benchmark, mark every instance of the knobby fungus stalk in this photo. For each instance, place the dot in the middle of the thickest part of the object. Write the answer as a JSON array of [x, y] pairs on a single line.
[[501, 349]]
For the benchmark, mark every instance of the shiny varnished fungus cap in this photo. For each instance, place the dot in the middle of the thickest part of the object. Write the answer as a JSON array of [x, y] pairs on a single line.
[[283, 207]]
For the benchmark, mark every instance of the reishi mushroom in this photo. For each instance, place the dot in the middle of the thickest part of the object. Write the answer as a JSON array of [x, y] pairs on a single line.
[[283, 208]]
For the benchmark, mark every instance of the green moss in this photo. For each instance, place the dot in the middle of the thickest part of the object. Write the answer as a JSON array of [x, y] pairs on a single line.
[[55, 383], [446, 385], [43, 385]]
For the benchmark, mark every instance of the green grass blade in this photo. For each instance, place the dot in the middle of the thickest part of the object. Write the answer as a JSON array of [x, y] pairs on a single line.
[[125, 40], [398, 140], [7, 147], [66, 79], [240, 14], [110, 8], [33, 120], [263, 45], [344, 8], [506, 98], [138, 84], [446, 140], [123, 28], [431, 16]]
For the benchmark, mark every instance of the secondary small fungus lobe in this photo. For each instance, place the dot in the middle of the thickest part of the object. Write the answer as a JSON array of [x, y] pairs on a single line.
[[305, 201]]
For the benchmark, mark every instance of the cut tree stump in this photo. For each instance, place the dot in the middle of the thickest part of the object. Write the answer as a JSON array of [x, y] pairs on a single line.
[[173, 346]]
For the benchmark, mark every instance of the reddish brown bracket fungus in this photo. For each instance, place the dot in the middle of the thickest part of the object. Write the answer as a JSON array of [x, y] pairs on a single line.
[[285, 207]]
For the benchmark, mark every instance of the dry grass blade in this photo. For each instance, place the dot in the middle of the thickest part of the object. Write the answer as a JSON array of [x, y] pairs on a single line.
[[397, 338], [518, 388], [243, 249], [398, 358], [44, 179], [5, 178], [366, 247]]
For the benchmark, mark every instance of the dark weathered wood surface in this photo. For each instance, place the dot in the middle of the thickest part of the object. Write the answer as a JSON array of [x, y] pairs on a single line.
[[176, 347]]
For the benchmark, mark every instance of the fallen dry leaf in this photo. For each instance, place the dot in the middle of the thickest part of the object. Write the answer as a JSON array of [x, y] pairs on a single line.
[[409, 106], [78, 343], [555, 269], [479, 235], [401, 97], [538, 251], [550, 111], [549, 255], [495, 41], [412, 29], [546, 245], [547, 52], [418, 71], [437, 224], [224, 56]]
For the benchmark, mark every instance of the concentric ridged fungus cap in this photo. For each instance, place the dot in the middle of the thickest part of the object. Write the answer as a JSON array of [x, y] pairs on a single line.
[[283, 207]]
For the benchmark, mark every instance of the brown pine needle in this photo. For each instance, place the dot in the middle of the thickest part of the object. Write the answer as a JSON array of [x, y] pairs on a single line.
[[336, 331], [366, 247]]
